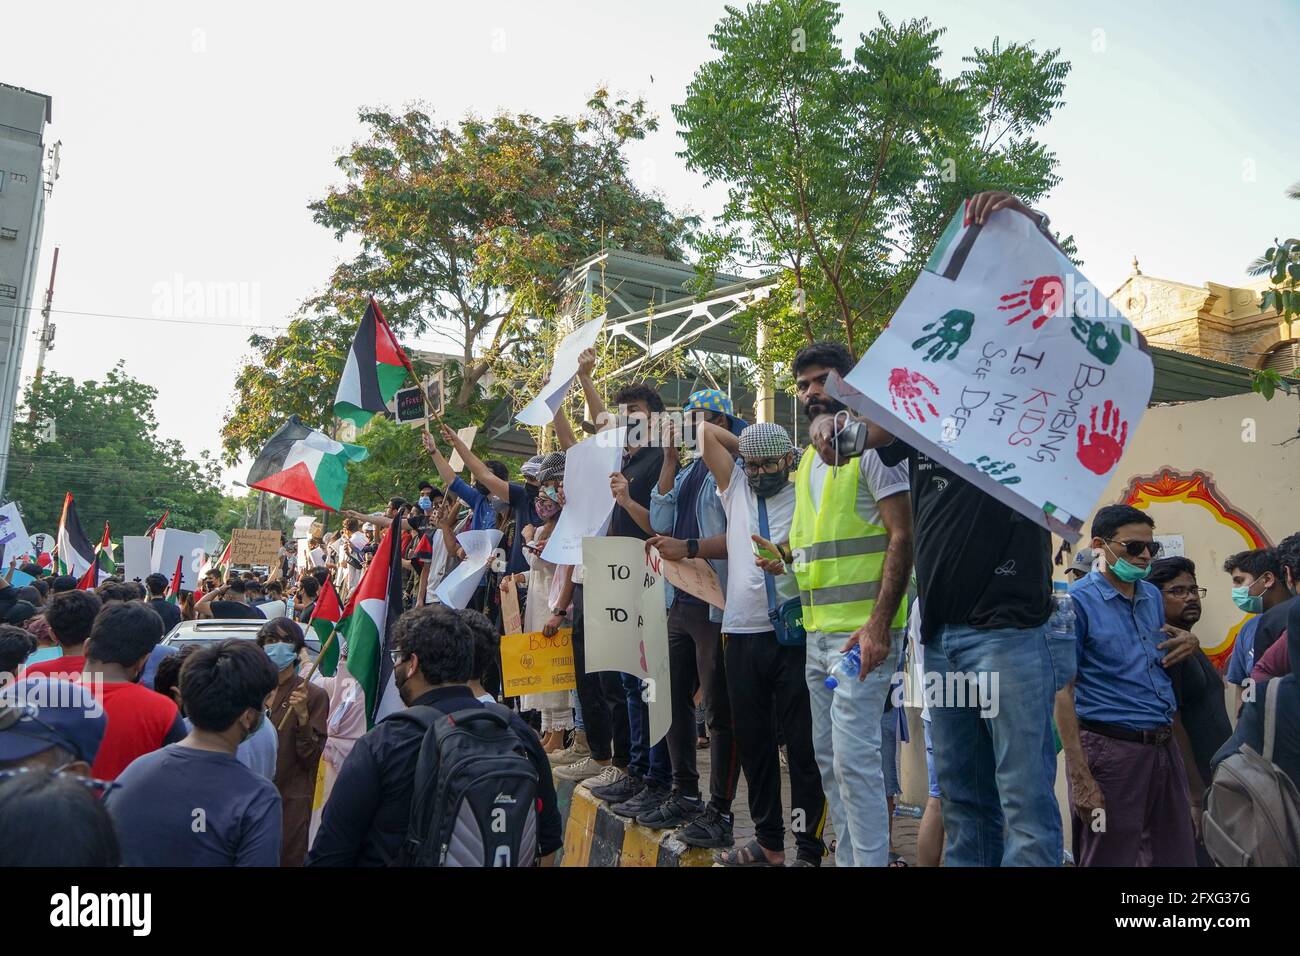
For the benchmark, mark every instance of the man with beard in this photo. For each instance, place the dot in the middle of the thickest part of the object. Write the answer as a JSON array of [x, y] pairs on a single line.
[[1202, 723], [851, 552], [984, 578], [365, 820]]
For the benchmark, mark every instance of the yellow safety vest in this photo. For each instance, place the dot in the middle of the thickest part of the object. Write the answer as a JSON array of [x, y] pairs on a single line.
[[838, 555]]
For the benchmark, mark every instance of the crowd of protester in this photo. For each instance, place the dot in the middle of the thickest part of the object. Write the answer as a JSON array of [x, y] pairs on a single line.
[[225, 753]]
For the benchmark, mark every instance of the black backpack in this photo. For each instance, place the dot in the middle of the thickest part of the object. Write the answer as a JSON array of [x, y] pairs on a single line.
[[474, 796]]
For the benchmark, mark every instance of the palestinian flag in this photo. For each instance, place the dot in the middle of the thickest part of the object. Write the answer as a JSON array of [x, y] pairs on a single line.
[[373, 607], [75, 552], [90, 580], [104, 554], [174, 589], [158, 525], [376, 368], [324, 619], [223, 562], [304, 465]]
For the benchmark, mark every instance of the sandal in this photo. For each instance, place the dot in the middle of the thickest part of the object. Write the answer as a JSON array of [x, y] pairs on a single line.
[[751, 854], [896, 860]]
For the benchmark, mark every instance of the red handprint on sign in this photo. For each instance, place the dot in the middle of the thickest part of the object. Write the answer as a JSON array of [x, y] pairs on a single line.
[[1044, 296], [1103, 447], [904, 386]]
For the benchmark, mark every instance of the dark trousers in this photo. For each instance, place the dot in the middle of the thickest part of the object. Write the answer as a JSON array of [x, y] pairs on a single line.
[[695, 660], [604, 707], [1147, 819], [652, 763], [765, 680]]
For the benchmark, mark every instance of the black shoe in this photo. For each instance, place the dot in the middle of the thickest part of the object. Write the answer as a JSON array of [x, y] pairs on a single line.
[[649, 797], [710, 829], [624, 789], [671, 813]]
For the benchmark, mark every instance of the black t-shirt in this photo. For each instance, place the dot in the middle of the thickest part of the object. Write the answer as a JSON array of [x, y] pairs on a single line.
[[521, 510], [641, 470], [978, 562], [223, 610], [170, 613]]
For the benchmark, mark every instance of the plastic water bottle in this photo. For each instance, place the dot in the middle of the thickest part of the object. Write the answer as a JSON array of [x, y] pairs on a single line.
[[847, 667], [1062, 620]]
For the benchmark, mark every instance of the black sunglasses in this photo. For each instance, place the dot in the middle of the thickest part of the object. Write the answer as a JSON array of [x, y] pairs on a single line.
[[1135, 548]]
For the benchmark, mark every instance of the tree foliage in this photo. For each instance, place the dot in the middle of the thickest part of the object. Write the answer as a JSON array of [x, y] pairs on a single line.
[[465, 230], [106, 451], [843, 172]]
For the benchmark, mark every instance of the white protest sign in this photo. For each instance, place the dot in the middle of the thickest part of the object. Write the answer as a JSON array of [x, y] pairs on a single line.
[[564, 368], [466, 435], [42, 543], [458, 587], [626, 622], [1005, 365], [137, 555], [588, 502], [169, 545], [613, 579], [15, 542]]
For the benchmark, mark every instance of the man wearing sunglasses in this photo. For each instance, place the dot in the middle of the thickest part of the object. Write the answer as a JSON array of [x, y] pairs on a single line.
[[1128, 786]]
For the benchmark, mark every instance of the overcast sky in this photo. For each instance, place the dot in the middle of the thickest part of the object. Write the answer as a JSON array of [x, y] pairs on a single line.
[[195, 134]]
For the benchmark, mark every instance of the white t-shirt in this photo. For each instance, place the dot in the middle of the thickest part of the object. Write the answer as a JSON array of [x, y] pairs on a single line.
[[878, 481], [746, 611], [437, 565]]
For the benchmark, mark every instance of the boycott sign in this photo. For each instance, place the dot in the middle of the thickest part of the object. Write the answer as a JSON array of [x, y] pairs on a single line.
[[534, 663], [1005, 365], [251, 546], [410, 406]]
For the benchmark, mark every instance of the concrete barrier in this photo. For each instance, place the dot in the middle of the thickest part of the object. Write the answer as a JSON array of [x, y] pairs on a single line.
[[595, 836]]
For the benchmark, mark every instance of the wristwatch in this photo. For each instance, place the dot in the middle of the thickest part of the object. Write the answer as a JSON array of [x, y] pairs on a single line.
[[692, 547], [559, 612]]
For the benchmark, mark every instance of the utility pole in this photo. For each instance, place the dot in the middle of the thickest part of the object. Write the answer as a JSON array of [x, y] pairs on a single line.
[[47, 336]]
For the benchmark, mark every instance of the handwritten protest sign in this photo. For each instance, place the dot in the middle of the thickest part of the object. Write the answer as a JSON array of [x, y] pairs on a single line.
[[254, 547], [14, 540], [534, 663], [588, 500], [694, 576], [511, 619], [626, 621], [458, 587], [1005, 365], [564, 368]]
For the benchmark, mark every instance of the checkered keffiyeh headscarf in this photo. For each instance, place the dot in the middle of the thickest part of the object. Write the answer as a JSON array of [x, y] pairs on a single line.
[[765, 440], [532, 466], [552, 468]]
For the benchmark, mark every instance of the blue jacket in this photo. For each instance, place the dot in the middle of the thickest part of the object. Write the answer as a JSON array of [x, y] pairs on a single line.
[[710, 515]]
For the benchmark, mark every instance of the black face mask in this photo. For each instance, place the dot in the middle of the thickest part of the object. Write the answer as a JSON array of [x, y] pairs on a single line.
[[765, 485]]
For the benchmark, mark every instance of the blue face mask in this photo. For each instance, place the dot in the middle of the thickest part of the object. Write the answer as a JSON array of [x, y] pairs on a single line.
[[1250, 603], [1126, 572], [425, 503], [282, 655]]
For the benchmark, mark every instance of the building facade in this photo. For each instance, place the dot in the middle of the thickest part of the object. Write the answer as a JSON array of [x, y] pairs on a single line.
[[1220, 322], [23, 118]]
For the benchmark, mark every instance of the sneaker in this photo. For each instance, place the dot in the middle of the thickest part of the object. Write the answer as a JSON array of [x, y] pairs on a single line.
[[609, 774], [576, 751], [649, 797], [625, 787], [710, 829], [671, 813], [580, 770]]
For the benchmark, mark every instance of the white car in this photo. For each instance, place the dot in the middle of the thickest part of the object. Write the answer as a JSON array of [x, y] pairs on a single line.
[[206, 630]]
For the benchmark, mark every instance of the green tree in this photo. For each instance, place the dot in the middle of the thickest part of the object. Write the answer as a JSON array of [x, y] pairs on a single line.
[[843, 172], [106, 451], [1281, 263], [465, 231]]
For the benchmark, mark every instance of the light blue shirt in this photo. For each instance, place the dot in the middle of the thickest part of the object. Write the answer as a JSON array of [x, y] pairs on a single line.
[[1121, 680], [709, 514], [258, 752]]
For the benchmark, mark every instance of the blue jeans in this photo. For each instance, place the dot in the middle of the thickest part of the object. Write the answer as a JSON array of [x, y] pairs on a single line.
[[846, 731], [994, 751], [653, 763]]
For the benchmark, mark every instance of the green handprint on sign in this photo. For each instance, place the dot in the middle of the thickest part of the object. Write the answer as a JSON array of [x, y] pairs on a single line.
[[996, 469], [953, 329], [1097, 338]]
